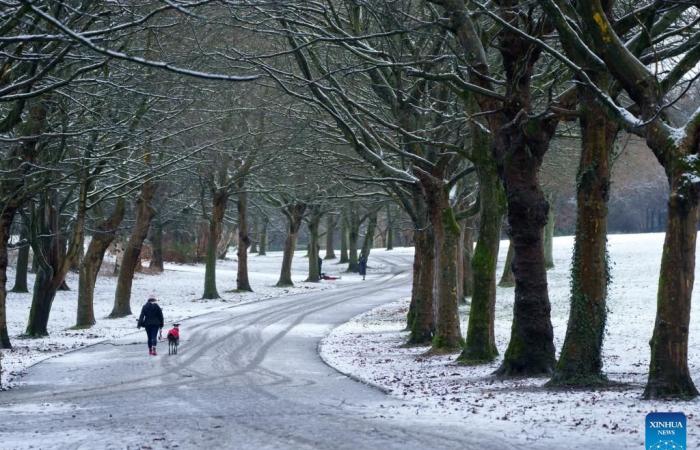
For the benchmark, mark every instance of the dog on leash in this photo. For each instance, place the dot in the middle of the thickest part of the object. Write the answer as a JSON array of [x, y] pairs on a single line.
[[173, 339]]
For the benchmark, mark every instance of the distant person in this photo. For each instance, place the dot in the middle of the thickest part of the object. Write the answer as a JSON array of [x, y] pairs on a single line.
[[151, 319], [363, 266]]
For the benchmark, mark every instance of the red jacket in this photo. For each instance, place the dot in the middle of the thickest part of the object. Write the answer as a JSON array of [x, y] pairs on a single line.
[[174, 332]]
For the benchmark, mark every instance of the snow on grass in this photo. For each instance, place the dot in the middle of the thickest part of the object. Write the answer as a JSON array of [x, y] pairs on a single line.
[[370, 347], [178, 289]]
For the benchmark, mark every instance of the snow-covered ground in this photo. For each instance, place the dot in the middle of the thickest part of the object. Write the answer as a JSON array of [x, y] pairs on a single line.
[[179, 290], [370, 348]]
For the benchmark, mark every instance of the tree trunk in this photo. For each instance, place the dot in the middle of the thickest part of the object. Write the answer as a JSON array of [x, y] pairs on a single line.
[[226, 236], [256, 237], [314, 247], [549, 236], [102, 238], [144, 215], [294, 214], [61, 255], [353, 237], [6, 216], [507, 279], [530, 351], [330, 235], [480, 346], [580, 362], [368, 242], [53, 266], [262, 251], [389, 228], [344, 258], [242, 282], [218, 209], [421, 321], [669, 376], [448, 336], [467, 256], [22, 268], [460, 267], [156, 239]]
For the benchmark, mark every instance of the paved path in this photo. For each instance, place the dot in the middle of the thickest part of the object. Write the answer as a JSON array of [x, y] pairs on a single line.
[[248, 377]]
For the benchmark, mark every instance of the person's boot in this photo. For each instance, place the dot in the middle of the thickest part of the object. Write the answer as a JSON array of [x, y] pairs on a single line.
[[154, 351], [150, 350]]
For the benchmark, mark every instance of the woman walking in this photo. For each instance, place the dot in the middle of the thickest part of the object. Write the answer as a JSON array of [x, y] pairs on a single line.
[[151, 319]]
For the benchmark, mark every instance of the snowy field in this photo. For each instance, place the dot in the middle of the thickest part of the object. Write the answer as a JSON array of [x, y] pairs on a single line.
[[370, 348], [179, 290]]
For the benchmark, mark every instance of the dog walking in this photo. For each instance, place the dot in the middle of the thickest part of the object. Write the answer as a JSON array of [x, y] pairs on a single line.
[[151, 319], [173, 339]]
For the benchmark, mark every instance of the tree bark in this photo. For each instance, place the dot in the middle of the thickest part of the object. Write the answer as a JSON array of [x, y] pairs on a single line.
[[530, 351], [467, 257], [314, 222], [219, 201], [6, 216], [421, 321], [448, 336], [669, 376], [53, 266], [262, 251], [368, 242], [480, 346], [507, 279], [102, 238], [242, 282], [156, 264], [580, 362], [353, 236], [294, 214], [256, 236], [389, 228], [22, 268], [344, 258], [330, 236], [144, 215]]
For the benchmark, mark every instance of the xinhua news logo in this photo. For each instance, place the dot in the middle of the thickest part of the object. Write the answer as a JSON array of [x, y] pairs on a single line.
[[665, 431]]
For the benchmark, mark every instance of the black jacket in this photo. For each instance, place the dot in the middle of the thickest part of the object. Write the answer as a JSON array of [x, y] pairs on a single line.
[[151, 315]]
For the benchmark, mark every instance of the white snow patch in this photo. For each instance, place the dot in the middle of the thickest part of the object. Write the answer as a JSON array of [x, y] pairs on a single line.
[[178, 289], [370, 348]]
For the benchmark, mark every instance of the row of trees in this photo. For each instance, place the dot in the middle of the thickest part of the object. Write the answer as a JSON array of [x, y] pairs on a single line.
[[448, 107], [446, 97]]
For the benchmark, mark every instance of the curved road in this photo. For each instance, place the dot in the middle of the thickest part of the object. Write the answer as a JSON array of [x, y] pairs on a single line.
[[248, 377]]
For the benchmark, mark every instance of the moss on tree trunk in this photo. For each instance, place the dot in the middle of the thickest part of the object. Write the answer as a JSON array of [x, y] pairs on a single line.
[[580, 362], [480, 345]]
